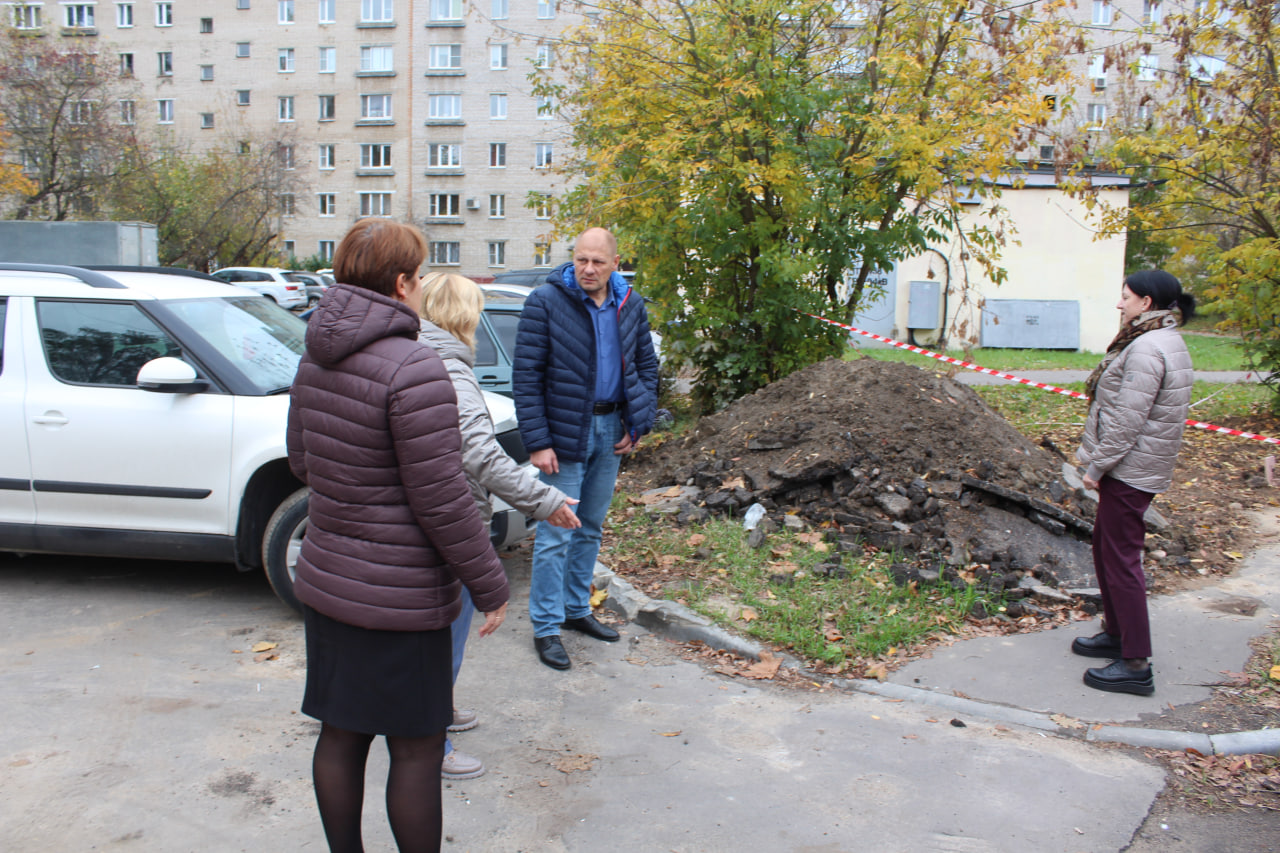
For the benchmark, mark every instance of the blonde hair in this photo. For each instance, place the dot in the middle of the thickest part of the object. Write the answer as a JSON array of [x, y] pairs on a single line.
[[453, 302]]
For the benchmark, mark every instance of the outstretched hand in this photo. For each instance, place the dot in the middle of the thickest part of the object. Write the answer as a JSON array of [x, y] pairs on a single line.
[[564, 516]]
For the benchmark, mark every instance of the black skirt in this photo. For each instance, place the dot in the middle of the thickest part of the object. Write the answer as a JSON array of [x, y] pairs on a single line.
[[397, 683]]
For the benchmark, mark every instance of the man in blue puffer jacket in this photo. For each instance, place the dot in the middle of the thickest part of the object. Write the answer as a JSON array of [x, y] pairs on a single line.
[[586, 390]]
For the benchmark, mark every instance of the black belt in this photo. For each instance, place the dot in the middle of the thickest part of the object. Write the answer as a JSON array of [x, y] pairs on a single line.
[[605, 408]]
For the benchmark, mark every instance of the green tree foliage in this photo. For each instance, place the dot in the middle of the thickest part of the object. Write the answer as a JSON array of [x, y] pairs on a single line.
[[760, 156], [1211, 138], [212, 208], [60, 108]]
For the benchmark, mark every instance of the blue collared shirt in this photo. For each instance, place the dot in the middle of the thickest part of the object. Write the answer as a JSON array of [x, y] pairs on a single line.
[[608, 347]]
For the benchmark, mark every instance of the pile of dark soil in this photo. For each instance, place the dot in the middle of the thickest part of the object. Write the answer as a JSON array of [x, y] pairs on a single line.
[[889, 455]]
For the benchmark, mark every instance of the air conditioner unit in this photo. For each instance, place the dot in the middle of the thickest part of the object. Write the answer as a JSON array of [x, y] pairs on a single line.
[[473, 204]]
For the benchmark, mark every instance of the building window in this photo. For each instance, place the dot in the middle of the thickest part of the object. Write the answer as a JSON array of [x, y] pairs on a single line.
[[164, 64], [81, 112], [443, 204], [497, 56], [375, 204], [328, 60], [244, 147], [444, 254], [284, 61], [328, 11], [376, 58], [206, 26], [1151, 12], [328, 107], [328, 204], [375, 156], [284, 11], [288, 247], [542, 58], [546, 9], [497, 254], [284, 108], [542, 155], [499, 11], [206, 121], [26, 17], [164, 14], [497, 106], [164, 107], [1098, 73], [242, 4], [546, 108], [242, 97], [444, 106], [446, 10], [375, 12], [1101, 12], [128, 112], [375, 106], [1097, 116], [444, 155], [286, 155], [1147, 67], [542, 254], [124, 15], [78, 16], [242, 50], [326, 249], [326, 158], [444, 57], [542, 206], [126, 65], [288, 205], [497, 155], [206, 72], [497, 207]]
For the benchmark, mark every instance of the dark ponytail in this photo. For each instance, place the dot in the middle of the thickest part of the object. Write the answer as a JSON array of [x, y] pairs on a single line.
[[1165, 291]]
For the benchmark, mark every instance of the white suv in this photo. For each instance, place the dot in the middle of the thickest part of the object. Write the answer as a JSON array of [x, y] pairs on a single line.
[[272, 282], [142, 414]]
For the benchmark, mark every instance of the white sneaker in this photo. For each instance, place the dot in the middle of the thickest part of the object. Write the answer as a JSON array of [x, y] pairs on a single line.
[[464, 721], [459, 765]]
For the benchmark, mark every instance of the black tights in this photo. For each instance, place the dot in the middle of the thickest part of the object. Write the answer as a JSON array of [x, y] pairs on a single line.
[[413, 789]]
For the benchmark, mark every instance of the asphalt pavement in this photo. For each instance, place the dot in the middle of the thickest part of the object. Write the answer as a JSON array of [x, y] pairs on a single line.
[[140, 717]]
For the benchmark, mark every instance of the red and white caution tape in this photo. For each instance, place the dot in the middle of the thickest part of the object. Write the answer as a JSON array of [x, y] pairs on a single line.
[[1042, 385]]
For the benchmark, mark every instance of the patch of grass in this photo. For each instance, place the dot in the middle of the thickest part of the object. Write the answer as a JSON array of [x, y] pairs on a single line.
[[774, 594], [1208, 352], [1032, 409]]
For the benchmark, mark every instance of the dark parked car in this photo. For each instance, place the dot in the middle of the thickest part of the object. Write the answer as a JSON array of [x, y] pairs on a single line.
[[529, 278]]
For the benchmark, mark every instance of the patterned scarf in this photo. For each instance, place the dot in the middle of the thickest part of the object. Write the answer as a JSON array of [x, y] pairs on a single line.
[[1148, 322]]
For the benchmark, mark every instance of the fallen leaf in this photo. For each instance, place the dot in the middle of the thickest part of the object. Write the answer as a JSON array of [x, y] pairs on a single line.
[[1066, 722], [766, 667], [572, 763], [878, 671], [670, 734], [262, 647], [733, 483], [1275, 673], [598, 597], [695, 540], [748, 614], [265, 656]]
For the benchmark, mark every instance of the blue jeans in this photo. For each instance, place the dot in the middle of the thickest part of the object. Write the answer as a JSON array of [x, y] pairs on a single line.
[[564, 560], [460, 628]]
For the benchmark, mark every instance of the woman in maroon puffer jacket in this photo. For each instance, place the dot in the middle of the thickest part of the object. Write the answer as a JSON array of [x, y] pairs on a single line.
[[393, 530]]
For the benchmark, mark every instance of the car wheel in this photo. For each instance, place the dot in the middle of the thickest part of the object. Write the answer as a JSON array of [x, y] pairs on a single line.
[[272, 298], [313, 301], [281, 544]]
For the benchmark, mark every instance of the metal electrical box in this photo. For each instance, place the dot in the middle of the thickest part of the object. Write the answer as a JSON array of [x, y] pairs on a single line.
[[924, 306], [88, 243], [1031, 324]]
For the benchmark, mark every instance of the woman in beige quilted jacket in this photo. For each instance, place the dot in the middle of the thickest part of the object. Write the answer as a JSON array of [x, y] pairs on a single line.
[[1140, 393]]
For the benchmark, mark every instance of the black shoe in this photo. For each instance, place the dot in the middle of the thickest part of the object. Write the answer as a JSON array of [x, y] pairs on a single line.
[[1116, 677], [551, 652], [591, 626], [1101, 645]]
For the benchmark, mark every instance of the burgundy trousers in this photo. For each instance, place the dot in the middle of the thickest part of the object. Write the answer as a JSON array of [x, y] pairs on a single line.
[[1118, 534]]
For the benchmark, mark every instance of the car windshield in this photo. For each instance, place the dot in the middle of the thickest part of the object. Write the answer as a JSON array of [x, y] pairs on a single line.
[[262, 340]]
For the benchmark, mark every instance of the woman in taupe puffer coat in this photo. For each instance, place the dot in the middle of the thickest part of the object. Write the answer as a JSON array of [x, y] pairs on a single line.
[[1140, 391], [451, 308], [393, 535]]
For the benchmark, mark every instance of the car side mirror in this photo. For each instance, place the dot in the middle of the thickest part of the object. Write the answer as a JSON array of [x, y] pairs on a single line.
[[170, 375]]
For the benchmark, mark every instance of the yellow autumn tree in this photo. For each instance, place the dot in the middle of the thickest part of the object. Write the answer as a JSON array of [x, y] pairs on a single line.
[[759, 156]]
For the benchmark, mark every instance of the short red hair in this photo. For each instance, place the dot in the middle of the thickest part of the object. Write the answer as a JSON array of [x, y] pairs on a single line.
[[376, 252]]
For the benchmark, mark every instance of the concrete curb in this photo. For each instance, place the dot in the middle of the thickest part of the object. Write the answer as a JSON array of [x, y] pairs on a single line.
[[677, 622]]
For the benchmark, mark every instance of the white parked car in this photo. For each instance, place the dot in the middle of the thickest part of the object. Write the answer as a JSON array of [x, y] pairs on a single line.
[[142, 414], [272, 282]]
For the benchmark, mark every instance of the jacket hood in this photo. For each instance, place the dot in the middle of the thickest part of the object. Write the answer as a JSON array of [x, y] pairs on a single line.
[[350, 318], [564, 278], [445, 344]]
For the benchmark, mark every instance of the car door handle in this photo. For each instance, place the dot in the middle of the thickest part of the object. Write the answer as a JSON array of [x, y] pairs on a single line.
[[52, 419], [489, 380]]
